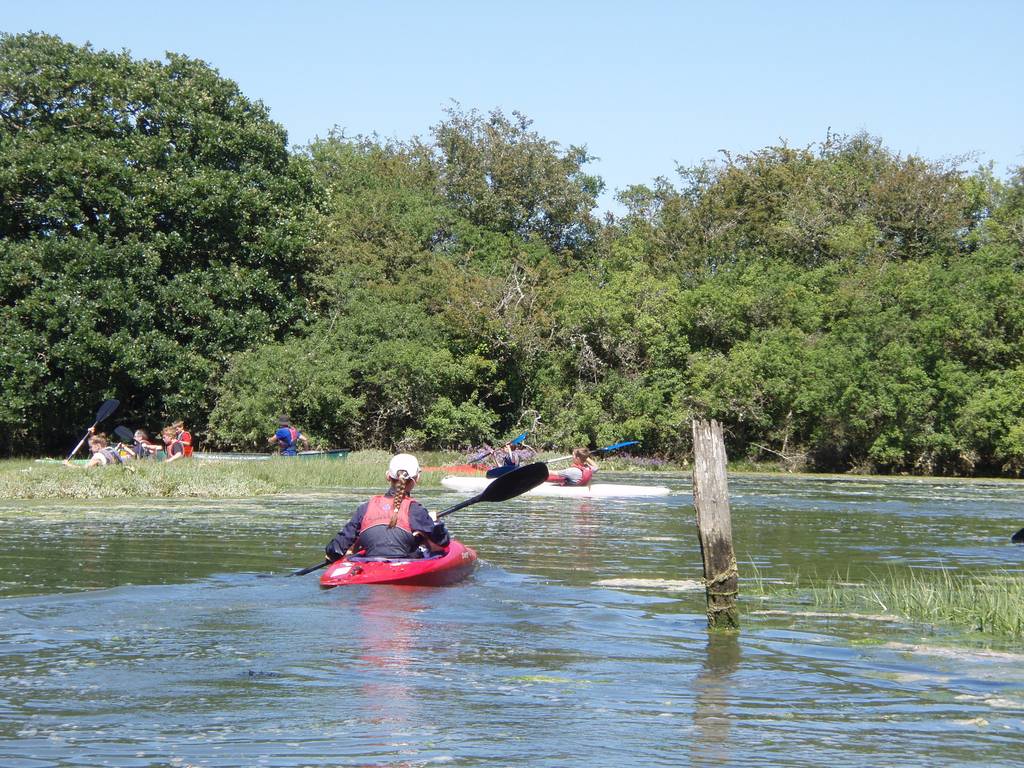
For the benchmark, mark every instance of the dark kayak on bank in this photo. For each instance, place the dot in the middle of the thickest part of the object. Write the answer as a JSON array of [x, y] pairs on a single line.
[[455, 564]]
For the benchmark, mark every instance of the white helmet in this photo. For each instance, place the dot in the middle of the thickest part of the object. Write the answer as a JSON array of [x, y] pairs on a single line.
[[403, 461]]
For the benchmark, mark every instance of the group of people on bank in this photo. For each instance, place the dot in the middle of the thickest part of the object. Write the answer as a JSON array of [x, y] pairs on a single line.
[[176, 443]]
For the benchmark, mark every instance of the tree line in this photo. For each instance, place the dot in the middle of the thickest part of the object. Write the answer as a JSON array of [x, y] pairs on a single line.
[[837, 306]]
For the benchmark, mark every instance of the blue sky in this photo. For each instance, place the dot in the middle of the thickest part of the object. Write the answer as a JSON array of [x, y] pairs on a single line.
[[644, 85]]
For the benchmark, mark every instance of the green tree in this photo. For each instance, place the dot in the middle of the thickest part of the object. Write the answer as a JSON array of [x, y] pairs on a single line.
[[152, 222], [503, 176]]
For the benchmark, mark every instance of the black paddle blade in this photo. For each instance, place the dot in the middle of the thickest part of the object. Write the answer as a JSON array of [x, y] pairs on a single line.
[[515, 482], [505, 487], [124, 434], [1018, 537], [106, 409]]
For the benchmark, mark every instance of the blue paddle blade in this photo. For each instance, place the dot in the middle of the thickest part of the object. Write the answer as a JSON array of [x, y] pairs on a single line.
[[616, 446], [519, 439]]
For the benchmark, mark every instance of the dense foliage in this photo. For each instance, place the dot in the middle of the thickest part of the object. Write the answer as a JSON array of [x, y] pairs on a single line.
[[836, 306], [152, 223]]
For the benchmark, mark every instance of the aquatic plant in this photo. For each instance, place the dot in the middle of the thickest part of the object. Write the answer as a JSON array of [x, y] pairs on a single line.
[[991, 603]]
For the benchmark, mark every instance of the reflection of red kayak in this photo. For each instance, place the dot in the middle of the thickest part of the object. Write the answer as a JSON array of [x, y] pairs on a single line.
[[463, 468], [455, 564]]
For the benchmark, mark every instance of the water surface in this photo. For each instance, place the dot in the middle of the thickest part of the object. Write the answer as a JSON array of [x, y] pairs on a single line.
[[166, 633]]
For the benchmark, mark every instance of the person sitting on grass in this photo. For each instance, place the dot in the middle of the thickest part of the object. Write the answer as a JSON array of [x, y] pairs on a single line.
[[183, 436], [102, 453], [143, 446], [173, 446]]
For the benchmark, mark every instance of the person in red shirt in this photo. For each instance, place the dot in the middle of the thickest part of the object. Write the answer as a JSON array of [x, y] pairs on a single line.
[[184, 437]]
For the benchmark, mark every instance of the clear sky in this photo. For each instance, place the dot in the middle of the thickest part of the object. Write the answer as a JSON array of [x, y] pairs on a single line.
[[644, 85]]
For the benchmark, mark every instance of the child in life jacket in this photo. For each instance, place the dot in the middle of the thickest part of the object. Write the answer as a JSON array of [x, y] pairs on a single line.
[[174, 447], [579, 472], [102, 453], [393, 524]]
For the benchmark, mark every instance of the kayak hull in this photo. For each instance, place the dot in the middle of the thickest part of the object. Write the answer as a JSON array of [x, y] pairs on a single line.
[[594, 490], [456, 564], [470, 469], [336, 454]]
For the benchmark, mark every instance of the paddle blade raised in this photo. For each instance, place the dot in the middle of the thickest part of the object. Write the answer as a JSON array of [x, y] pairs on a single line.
[[507, 486], [106, 409], [516, 482]]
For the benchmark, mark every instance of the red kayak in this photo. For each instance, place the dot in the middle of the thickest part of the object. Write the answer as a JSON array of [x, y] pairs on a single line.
[[457, 469], [455, 564]]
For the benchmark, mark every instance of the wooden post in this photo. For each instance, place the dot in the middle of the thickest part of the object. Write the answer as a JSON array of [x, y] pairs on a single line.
[[714, 524]]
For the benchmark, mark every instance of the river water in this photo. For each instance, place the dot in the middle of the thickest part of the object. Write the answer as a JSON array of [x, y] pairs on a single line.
[[166, 633]]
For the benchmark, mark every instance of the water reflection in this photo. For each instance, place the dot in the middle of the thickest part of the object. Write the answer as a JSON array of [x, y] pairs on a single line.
[[714, 689], [388, 638]]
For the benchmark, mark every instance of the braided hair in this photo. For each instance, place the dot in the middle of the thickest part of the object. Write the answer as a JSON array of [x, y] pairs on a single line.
[[399, 484]]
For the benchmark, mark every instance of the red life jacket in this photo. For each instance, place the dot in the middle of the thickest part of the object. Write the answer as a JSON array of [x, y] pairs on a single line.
[[588, 472], [379, 509], [185, 439]]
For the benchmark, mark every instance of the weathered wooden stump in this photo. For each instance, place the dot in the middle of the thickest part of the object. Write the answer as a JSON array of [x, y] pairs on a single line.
[[714, 524]]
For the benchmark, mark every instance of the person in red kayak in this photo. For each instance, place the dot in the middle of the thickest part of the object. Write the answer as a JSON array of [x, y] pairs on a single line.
[[579, 472], [393, 524]]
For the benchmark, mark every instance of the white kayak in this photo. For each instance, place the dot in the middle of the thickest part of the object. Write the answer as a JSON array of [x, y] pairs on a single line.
[[594, 490]]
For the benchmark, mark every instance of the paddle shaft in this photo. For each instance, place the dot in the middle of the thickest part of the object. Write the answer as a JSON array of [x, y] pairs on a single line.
[[607, 448], [312, 568]]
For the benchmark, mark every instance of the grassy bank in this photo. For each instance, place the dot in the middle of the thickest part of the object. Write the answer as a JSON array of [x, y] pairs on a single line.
[[24, 479], [989, 603], [195, 478]]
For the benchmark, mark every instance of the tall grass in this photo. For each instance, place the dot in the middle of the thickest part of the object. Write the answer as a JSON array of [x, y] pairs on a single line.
[[990, 602], [201, 478]]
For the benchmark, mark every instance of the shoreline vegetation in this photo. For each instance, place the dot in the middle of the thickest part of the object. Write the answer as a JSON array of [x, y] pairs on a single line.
[[28, 479], [206, 479], [838, 307]]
